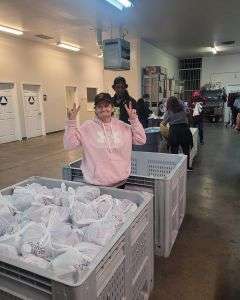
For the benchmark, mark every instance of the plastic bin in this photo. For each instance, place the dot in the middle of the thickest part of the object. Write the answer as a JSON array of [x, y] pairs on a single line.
[[164, 175], [154, 143], [112, 275]]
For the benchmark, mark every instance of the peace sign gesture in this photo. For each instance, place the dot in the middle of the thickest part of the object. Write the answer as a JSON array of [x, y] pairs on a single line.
[[131, 112], [72, 113]]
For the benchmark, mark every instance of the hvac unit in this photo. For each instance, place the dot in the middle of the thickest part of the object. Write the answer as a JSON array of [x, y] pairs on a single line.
[[116, 54]]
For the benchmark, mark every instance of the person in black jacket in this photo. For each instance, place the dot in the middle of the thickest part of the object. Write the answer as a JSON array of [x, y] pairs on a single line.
[[143, 110], [122, 97]]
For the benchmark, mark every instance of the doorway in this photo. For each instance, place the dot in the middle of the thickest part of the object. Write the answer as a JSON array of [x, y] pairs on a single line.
[[33, 110], [9, 114]]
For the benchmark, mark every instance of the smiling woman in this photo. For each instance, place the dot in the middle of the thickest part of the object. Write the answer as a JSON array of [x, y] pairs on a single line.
[[106, 142]]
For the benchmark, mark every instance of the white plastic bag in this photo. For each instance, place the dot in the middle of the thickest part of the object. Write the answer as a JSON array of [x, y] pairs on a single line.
[[38, 214], [70, 261], [102, 205], [58, 215], [36, 239], [87, 194], [89, 250], [8, 251], [83, 214], [100, 232], [8, 223], [6, 206], [64, 237], [35, 260], [22, 201], [68, 196], [41, 194], [128, 207], [10, 239]]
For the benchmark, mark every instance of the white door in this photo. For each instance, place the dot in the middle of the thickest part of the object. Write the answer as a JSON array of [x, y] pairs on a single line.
[[32, 110], [8, 120]]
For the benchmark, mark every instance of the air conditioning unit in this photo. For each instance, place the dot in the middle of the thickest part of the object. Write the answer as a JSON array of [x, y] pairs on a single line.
[[116, 53]]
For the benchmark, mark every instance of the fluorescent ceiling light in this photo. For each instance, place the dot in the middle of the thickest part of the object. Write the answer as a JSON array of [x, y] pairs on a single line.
[[10, 30], [214, 50], [120, 4], [68, 47]]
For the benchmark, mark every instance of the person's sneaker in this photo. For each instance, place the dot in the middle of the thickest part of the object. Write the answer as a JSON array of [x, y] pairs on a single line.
[[190, 169]]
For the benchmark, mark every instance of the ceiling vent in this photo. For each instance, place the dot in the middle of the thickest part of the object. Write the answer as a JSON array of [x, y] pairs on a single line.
[[44, 37]]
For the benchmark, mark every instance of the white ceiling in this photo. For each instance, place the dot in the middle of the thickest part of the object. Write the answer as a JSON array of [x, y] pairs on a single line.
[[180, 27]]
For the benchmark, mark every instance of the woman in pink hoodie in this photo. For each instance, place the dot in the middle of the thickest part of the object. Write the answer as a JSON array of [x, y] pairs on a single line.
[[106, 142]]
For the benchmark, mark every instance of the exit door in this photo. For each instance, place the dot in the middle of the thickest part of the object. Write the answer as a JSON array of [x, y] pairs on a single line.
[[33, 111]]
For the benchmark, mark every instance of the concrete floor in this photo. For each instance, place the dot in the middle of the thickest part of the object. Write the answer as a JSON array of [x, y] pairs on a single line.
[[205, 261]]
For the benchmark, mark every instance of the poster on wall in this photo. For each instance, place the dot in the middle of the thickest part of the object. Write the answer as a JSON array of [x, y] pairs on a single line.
[[91, 94]]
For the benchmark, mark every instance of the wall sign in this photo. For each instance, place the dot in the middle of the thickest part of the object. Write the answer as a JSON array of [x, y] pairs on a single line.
[[3, 100], [31, 100]]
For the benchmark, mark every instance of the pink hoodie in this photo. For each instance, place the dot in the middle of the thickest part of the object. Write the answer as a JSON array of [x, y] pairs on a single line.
[[106, 147]]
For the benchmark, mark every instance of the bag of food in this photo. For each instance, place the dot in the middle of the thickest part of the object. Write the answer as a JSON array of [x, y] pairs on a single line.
[[8, 223], [70, 261], [83, 214], [64, 236], [35, 260], [8, 251], [38, 214], [58, 215], [36, 239], [87, 194], [102, 205], [101, 231], [89, 250]]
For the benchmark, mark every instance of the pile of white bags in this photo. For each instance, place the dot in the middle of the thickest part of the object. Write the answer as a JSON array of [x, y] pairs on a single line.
[[59, 229]]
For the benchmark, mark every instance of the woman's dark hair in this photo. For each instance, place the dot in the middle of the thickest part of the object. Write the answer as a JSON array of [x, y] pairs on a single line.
[[174, 105], [102, 97]]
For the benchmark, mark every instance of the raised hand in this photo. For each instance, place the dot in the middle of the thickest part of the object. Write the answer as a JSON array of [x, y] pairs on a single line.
[[72, 113], [132, 113]]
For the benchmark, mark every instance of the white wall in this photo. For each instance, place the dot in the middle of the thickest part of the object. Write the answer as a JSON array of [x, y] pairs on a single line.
[[153, 56], [133, 77], [225, 68], [24, 61]]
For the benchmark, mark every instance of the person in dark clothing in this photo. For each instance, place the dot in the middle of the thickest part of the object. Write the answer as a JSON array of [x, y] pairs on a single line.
[[179, 131], [196, 107], [143, 110], [122, 97], [231, 100]]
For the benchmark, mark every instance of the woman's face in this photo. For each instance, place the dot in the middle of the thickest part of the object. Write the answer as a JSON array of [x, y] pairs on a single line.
[[104, 111]]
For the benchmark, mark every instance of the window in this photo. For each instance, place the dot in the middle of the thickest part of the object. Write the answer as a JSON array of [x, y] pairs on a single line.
[[91, 93], [190, 72]]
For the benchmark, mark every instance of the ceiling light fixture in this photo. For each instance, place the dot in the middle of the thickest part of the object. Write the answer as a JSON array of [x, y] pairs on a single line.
[[120, 4], [68, 47], [10, 30], [214, 50]]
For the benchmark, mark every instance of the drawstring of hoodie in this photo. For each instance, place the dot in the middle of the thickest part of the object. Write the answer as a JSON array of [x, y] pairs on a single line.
[[108, 142]]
